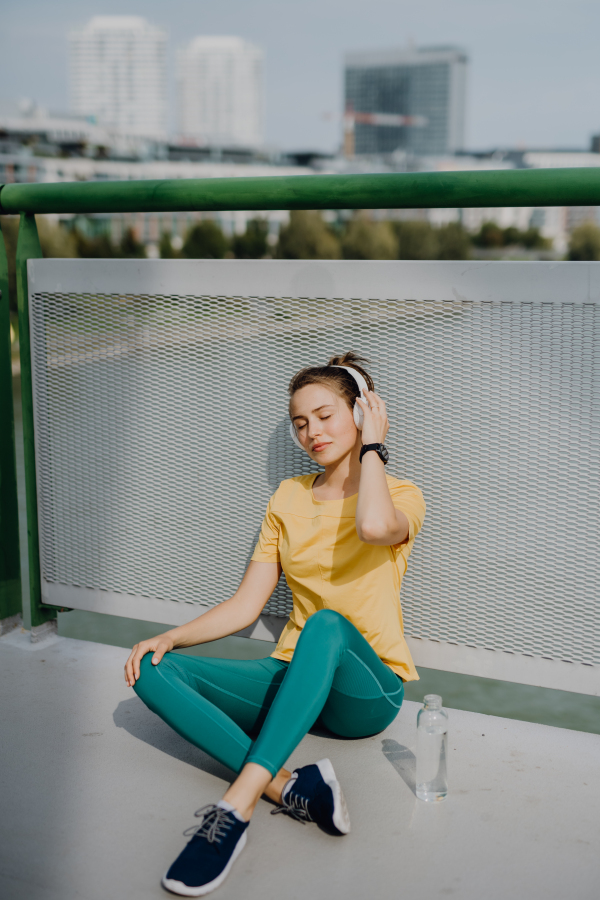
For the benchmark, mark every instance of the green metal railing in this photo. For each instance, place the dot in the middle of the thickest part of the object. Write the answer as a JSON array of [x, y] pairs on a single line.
[[527, 187], [521, 187]]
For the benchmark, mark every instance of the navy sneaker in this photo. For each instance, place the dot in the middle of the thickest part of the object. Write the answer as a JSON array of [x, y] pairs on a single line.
[[313, 794], [205, 862]]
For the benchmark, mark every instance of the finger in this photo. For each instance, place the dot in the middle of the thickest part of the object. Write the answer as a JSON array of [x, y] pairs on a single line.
[[129, 668], [136, 663], [158, 654]]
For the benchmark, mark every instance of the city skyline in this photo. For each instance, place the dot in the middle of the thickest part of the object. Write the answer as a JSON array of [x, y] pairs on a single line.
[[533, 67], [220, 91], [118, 74]]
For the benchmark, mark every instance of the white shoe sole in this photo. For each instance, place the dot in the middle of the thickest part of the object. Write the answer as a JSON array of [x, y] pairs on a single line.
[[341, 817], [178, 887]]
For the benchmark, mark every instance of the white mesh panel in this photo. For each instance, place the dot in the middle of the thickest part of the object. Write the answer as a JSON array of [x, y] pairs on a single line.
[[161, 431]]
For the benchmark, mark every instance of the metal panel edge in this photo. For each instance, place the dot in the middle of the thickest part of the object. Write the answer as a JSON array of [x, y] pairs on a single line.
[[513, 667], [130, 606], [458, 281]]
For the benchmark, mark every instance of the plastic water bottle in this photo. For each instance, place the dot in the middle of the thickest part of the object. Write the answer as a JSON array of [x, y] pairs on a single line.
[[432, 750]]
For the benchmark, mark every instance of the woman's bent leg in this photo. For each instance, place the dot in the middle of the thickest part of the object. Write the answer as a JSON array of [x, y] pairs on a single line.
[[211, 702], [336, 673]]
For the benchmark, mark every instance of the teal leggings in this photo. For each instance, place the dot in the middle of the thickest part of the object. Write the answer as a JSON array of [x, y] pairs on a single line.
[[334, 676]]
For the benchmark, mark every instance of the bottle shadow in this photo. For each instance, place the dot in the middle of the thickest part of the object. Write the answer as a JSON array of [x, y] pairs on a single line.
[[403, 760]]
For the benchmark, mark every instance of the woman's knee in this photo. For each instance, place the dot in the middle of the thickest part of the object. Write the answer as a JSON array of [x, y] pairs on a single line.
[[149, 673], [325, 621]]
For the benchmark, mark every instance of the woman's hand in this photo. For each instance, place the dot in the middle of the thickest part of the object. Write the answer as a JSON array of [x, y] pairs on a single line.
[[161, 644], [375, 424]]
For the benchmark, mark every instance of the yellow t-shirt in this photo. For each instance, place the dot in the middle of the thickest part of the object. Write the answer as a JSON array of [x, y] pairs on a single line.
[[327, 566]]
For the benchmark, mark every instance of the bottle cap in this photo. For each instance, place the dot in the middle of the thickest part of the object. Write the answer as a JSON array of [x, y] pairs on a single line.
[[432, 701]]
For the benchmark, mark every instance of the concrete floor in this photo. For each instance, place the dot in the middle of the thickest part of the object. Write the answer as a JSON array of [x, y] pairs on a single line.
[[96, 792]]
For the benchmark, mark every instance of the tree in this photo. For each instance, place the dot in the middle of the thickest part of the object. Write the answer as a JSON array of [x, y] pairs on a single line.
[[307, 237], [166, 248], [454, 242], [205, 240], [416, 240], [56, 241], [253, 244], [585, 243], [99, 247], [130, 247], [489, 236], [365, 239], [533, 240]]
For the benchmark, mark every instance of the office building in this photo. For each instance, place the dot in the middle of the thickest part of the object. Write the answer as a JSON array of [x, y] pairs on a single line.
[[411, 100], [220, 92], [118, 74]]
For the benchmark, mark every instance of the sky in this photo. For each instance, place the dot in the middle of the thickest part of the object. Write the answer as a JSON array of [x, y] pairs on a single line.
[[534, 70]]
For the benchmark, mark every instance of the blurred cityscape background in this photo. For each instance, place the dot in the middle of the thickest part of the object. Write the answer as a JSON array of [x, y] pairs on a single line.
[[403, 110]]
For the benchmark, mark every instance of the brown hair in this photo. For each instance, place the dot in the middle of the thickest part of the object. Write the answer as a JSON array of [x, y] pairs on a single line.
[[340, 382]]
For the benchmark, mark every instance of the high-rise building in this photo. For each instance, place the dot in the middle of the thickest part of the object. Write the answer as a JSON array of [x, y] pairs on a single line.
[[411, 100], [119, 74], [220, 91]]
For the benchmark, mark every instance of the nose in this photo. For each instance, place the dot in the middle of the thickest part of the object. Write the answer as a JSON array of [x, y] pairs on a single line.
[[314, 428]]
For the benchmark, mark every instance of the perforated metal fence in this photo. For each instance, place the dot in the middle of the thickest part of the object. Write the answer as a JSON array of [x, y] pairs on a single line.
[[161, 431]]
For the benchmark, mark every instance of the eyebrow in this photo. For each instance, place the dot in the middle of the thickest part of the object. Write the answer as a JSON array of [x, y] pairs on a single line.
[[325, 405]]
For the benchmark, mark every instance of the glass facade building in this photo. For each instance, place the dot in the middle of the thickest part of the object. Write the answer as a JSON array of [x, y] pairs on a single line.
[[427, 82]]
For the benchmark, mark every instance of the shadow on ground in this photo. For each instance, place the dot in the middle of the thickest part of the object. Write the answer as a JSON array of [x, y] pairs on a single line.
[[141, 723], [403, 761]]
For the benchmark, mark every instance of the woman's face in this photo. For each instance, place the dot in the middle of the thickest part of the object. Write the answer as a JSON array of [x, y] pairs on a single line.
[[324, 423]]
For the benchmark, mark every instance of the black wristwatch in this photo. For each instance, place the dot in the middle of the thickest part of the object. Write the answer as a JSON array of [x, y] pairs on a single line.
[[379, 449]]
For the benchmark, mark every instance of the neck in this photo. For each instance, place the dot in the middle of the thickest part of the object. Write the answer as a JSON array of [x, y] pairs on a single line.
[[343, 476]]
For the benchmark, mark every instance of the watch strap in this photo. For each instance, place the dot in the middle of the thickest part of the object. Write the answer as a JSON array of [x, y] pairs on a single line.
[[377, 448]]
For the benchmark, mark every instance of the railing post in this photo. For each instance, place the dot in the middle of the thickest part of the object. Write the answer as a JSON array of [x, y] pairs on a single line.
[[43, 618], [10, 568]]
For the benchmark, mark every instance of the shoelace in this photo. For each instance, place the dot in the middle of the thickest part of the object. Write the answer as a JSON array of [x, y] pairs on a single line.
[[295, 806], [214, 826]]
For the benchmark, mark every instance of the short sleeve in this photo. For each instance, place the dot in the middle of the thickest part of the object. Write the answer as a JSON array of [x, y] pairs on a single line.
[[267, 548], [408, 499]]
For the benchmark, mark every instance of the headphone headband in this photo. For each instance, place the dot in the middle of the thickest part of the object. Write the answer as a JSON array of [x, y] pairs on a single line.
[[362, 384]]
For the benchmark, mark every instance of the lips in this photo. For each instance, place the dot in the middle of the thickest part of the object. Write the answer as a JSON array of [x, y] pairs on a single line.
[[318, 447]]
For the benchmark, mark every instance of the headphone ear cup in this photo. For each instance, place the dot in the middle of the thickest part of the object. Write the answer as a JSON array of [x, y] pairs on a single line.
[[359, 416], [294, 436]]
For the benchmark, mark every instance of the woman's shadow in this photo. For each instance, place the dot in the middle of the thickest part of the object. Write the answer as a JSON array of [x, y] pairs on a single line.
[[141, 723]]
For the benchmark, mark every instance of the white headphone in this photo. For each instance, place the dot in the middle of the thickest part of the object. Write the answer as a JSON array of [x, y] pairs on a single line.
[[356, 412]]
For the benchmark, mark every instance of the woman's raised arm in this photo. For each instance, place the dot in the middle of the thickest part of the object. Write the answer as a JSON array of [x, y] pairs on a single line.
[[228, 617]]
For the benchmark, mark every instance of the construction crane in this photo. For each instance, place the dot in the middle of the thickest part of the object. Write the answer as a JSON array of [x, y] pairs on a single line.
[[383, 120]]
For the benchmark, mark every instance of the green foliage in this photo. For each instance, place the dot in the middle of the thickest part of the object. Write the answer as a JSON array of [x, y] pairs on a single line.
[[533, 240], [365, 239], [55, 239], [585, 243], [10, 229], [101, 246], [416, 240], [130, 247], [166, 248], [205, 240], [307, 237], [454, 242], [253, 244], [490, 236]]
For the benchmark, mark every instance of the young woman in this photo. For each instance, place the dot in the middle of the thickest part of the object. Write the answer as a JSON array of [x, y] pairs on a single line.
[[342, 538]]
